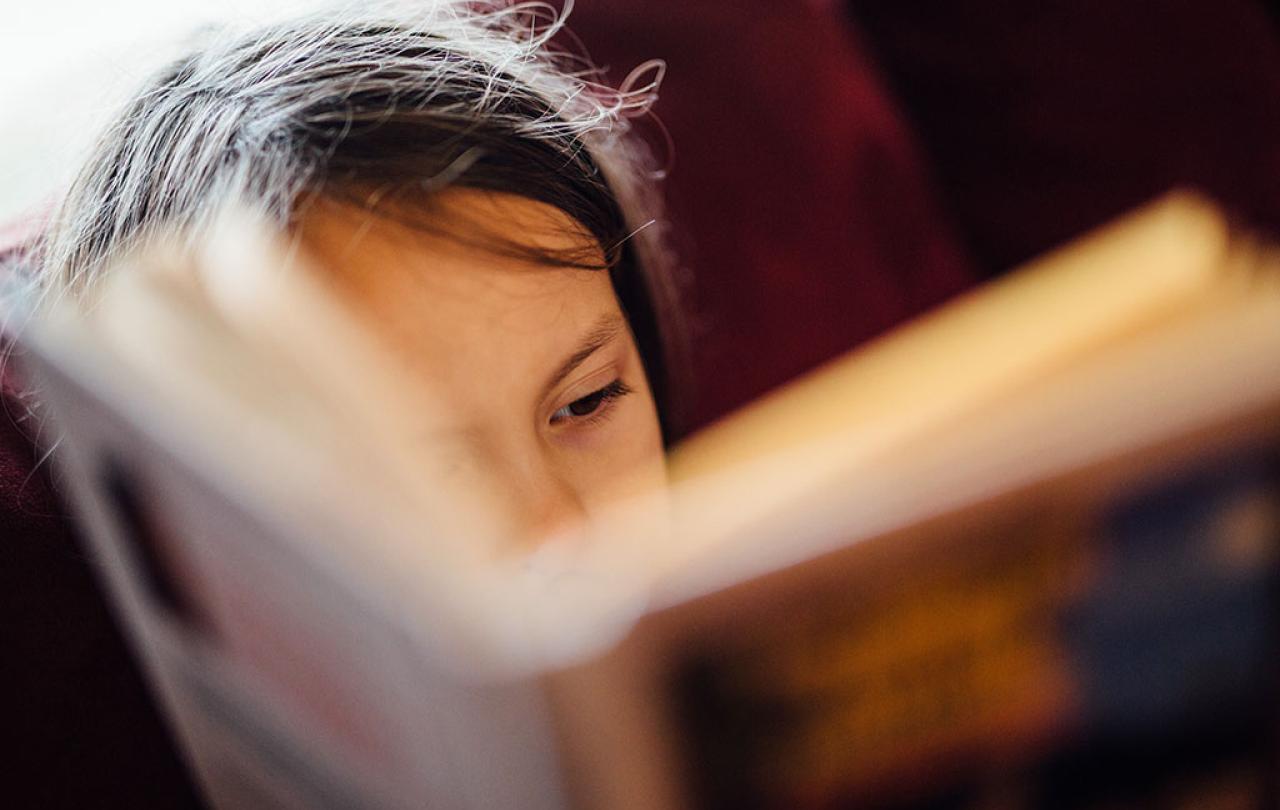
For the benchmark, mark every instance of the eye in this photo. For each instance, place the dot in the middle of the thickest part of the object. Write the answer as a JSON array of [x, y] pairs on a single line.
[[591, 406]]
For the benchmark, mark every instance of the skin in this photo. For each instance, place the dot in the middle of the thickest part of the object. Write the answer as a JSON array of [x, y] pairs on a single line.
[[543, 387]]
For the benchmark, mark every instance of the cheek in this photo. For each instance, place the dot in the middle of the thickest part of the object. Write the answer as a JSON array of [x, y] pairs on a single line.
[[623, 459]]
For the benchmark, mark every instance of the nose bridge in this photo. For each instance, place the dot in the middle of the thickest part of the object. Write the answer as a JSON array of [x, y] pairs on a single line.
[[541, 495]]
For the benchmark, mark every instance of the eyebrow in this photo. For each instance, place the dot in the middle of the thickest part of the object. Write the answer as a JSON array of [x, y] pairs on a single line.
[[605, 330]]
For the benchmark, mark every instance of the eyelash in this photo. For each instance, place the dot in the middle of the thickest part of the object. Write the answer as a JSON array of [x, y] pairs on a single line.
[[599, 401]]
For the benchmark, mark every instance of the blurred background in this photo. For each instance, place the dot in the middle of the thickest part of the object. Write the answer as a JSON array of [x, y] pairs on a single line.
[[839, 166]]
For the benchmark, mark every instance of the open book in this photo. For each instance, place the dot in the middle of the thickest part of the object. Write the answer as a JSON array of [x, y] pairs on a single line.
[[1019, 553]]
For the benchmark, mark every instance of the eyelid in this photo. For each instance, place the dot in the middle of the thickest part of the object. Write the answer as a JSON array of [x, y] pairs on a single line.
[[586, 385], [608, 395]]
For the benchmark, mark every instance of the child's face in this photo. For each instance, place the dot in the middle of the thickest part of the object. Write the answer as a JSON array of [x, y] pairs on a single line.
[[536, 365]]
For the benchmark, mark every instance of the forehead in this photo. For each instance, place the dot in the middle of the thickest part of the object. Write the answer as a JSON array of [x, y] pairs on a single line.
[[452, 296]]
